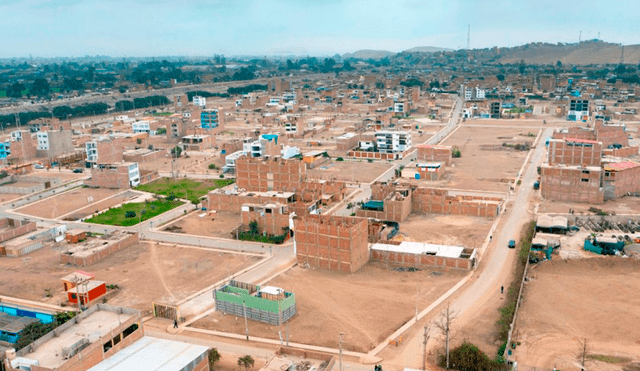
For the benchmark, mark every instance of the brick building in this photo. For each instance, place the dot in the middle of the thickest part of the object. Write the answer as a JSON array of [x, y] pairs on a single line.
[[272, 218], [332, 242], [572, 184], [620, 179], [572, 151], [116, 176], [268, 174], [104, 151], [434, 153]]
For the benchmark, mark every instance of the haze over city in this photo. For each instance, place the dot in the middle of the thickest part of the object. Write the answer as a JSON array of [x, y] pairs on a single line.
[[272, 27]]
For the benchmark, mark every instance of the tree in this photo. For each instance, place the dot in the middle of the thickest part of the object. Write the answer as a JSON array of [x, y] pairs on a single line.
[[246, 361], [213, 357], [522, 66], [176, 151], [138, 141], [500, 77], [583, 352], [253, 227], [447, 316], [40, 87], [559, 65], [15, 91]]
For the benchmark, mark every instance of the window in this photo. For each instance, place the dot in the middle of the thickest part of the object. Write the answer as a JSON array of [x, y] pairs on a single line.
[[129, 330], [108, 345], [117, 339], [585, 171], [585, 180]]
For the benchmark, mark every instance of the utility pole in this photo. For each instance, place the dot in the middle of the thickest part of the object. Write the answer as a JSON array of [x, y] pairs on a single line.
[[425, 339], [340, 345], [246, 324]]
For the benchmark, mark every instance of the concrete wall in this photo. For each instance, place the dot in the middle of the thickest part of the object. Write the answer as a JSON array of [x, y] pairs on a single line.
[[331, 242]]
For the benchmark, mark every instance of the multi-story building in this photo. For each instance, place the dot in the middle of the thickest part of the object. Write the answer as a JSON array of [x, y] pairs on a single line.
[[468, 93], [199, 101], [116, 176], [210, 119], [571, 151], [5, 149], [103, 151], [496, 110], [53, 143], [578, 109], [393, 141], [196, 142]]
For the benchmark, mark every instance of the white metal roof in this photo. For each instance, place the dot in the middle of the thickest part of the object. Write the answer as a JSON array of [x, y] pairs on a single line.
[[271, 290], [155, 354], [421, 248]]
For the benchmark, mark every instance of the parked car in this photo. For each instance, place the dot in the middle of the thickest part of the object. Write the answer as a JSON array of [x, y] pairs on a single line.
[[38, 166], [78, 170], [512, 244]]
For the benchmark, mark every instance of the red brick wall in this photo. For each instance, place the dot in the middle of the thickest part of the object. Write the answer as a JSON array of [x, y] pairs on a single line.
[[16, 231], [261, 176], [331, 242], [565, 184], [438, 201], [563, 153], [435, 154]]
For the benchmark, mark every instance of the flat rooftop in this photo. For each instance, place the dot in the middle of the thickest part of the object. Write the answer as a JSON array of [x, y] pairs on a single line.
[[14, 324], [92, 327], [419, 248], [153, 354]]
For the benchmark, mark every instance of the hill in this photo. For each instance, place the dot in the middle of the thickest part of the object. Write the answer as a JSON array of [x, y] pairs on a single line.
[[368, 54], [427, 49], [586, 52]]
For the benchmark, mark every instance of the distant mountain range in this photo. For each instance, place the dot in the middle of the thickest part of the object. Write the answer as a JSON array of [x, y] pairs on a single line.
[[379, 54], [586, 52]]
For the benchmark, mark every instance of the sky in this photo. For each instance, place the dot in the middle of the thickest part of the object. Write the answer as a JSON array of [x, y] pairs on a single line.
[[145, 28]]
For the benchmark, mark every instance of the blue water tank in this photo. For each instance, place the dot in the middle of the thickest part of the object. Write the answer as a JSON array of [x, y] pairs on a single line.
[[224, 151], [417, 175]]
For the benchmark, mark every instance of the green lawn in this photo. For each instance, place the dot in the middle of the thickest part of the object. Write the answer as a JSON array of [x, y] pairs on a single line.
[[195, 189], [3, 93], [116, 216]]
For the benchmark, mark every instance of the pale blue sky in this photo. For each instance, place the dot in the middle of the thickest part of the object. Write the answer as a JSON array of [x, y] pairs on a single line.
[[63, 28]]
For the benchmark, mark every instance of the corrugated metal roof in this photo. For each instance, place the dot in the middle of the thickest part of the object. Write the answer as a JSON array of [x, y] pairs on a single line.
[[155, 354]]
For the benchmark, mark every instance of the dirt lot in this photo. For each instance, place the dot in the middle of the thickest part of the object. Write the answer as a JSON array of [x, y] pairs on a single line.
[[485, 164], [368, 305], [455, 230], [625, 205], [144, 273], [67, 202], [5, 197], [567, 300], [349, 171], [217, 225], [102, 205]]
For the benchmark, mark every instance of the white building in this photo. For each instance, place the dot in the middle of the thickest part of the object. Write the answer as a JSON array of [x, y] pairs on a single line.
[[43, 140], [475, 93], [398, 107], [199, 101], [141, 127], [230, 161], [393, 141]]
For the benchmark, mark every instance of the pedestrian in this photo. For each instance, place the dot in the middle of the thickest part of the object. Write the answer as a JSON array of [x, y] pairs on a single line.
[[490, 237], [502, 289], [175, 323]]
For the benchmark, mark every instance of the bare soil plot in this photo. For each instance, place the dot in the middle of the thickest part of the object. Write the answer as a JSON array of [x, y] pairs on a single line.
[[566, 300], [356, 171], [368, 305], [5, 197], [621, 206], [485, 163], [66, 176], [457, 230], [64, 203], [143, 272], [219, 224]]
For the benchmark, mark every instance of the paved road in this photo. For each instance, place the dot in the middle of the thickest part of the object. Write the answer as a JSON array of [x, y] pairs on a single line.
[[495, 271]]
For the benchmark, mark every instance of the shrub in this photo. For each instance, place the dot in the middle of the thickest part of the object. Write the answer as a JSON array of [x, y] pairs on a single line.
[[212, 166], [468, 357], [130, 214], [246, 361], [455, 152], [213, 357], [221, 176], [339, 159]]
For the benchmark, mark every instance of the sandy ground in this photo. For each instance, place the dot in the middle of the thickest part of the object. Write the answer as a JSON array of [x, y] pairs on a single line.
[[624, 205], [446, 229], [567, 300], [216, 225], [67, 202], [4, 197], [486, 165], [144, 273], [349, 171], [368, 305], [66, 176]]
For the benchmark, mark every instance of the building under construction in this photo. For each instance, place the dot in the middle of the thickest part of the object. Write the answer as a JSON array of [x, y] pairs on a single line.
[[267, 304]]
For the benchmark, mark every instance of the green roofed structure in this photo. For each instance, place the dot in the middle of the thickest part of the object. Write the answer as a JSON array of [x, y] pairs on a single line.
[[266, 304]]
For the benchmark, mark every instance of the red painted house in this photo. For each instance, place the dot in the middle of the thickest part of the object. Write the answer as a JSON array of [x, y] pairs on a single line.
[[89, 291]]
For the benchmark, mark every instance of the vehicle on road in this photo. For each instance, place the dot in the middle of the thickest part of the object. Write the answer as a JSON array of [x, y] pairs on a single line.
[[512, 244], [78, 170]]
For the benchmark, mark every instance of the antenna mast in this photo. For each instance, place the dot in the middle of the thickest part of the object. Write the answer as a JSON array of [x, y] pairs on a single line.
[[622, 55], [469, 37]]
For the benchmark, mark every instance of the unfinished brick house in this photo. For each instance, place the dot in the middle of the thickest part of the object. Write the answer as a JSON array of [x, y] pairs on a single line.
[[332, 242], [272, 219], [115, 176], [572, 184], [621, 179], [434, 153], [269, 174], [395, 202], [570, 151]]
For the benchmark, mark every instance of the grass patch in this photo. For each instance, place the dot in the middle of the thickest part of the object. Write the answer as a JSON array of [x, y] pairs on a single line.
[[117, 216], [608, 359], [195, 189], [508, 310]]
